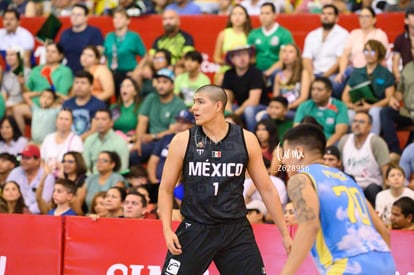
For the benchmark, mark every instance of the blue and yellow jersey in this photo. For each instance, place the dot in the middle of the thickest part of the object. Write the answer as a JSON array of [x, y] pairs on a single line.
[[346, 227]]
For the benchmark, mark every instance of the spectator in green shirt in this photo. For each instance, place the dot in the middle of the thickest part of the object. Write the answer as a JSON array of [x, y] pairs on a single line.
[[104, 139], [122, 47], [53, 75], [187, 83], [156, 116], [329, 112], [125, 111]]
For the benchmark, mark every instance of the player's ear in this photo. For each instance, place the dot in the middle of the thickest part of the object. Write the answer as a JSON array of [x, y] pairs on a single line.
[[410, 218], [219, 105]]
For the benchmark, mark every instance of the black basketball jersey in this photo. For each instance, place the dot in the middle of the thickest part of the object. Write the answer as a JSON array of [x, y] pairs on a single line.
[[213, 177]]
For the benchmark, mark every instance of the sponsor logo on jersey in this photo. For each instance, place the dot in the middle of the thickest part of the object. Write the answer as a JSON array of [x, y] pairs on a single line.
[[173, 267], [208, 169]]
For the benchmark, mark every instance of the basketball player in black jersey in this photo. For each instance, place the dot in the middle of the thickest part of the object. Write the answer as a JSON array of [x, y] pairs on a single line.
[[211, 160]]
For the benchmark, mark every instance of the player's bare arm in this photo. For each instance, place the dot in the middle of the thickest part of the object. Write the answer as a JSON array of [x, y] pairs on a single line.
[[261, 179], [306, 203], [379, 225], [171, 174]]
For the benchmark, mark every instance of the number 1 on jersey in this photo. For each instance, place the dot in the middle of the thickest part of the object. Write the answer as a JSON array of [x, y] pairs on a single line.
[[216, 186]]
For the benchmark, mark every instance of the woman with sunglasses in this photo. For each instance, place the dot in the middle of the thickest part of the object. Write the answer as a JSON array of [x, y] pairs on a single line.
[[372, 79], [352, 54]]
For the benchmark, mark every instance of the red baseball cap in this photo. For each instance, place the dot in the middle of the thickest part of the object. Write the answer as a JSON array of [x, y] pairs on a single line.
[[31, 151]]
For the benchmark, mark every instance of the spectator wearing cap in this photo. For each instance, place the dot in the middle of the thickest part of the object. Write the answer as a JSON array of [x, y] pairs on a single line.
[[365, 156], [184, 120], [28, 175], [332, 157], [7, 163], [188, 82], [402, 45], [245, 86], [256, 212], [104, 139], [11, 139], [156, 116]]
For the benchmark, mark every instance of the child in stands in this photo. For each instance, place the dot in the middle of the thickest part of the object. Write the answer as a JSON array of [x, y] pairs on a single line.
[[63, 193]]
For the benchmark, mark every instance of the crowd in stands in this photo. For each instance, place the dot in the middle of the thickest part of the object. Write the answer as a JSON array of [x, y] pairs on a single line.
[[86, 131], [135, 8]]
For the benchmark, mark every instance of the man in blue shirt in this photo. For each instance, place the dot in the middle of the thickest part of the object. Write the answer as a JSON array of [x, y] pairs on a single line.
[[77, 37], [83, 105]]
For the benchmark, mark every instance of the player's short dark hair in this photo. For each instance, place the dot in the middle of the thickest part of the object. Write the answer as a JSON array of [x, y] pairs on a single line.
[[269, 4], [82, 6], [69, 185], [280, 99], [308, 135], [215, 93], [195, 56], [406, 205], [84, 74], [330, 6]]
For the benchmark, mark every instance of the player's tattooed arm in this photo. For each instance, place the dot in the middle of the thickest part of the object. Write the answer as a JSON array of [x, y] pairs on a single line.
[[297, 188]]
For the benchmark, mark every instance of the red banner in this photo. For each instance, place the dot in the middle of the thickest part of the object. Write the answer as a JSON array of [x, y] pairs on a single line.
[[402, 244], [30, 245]]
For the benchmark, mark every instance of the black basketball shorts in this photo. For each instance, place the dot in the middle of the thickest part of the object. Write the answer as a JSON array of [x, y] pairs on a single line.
[[231, 246]]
